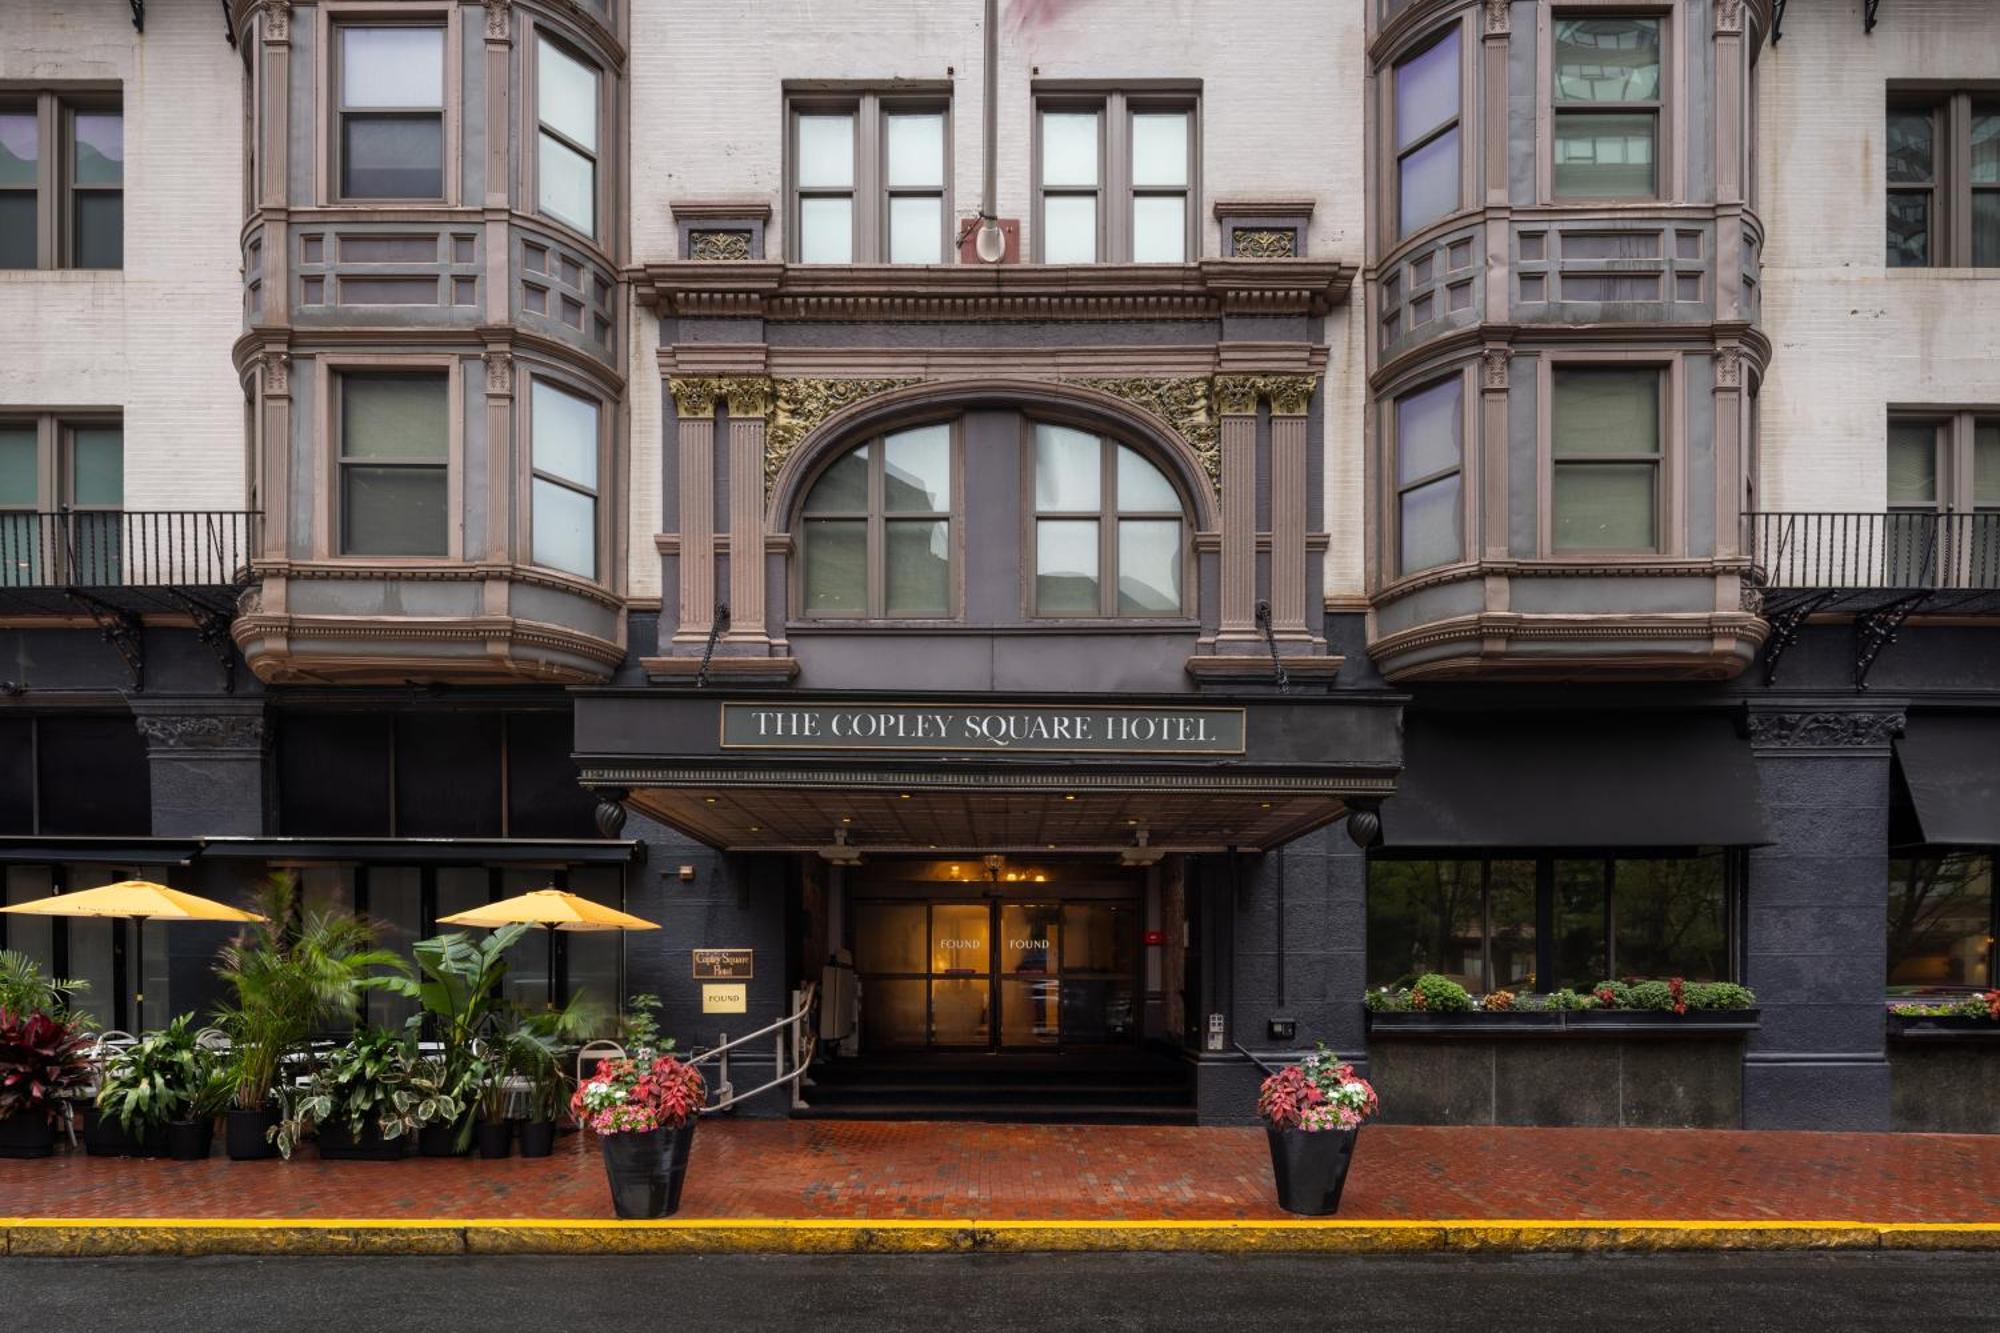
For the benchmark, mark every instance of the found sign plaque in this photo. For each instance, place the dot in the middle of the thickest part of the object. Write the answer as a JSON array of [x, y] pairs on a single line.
[[722, 964], [732, 997]]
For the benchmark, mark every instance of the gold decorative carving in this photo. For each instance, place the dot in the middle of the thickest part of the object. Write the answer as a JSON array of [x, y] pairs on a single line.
[[1182, 401], [747, 395], [1729, 15], [1728, 367], [1264, 242], [1237, 395], [277, 21], [712, 244], [499, 19], [799, 405], [1494, 361], [1499, 17], [499, 372], [696, 396]]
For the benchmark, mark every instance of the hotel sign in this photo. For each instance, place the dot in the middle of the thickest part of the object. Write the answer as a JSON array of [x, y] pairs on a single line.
[[722, 964], [969, 729]]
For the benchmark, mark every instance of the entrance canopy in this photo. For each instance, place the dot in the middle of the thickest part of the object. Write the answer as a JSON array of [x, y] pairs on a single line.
[[858, 774]]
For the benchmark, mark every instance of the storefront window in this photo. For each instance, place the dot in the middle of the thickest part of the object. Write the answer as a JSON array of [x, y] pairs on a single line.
[[1475, 921], [1942, 923]]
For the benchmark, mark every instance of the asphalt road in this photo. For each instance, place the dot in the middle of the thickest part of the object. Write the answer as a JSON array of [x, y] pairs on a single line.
[[1527, 1294]]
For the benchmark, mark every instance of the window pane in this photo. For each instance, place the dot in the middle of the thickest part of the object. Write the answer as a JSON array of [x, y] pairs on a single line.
[[1670, 918], [843, 487], [1159, 229], [566, 184], [1098, 937], [1579, 920], [1985, 145], [1986, 228], [100, 148], [826, 152], [394, 416], [1909, 229], [916, 229], [1067, 475], [392, 157], [1510, 899], [1604, 507], [1429, 525], [1913, 463], [1607, 60], [1149, 567], [1143, 488], [19, 149], [393, 511], [1069, 229], [1430, 426], [1066, 566], [1985, 464], [1606, 411], [1069, 148], [919, 573], [916, 150], [1427, 89], [1160, 148], [1427, 182], [18, 471], [826, 231], [916, 470], [890, 937], [17, 229], [1028, 936], [1602, 155], [1910, 148], [1425, 916], [565, 528], [392, 66], [565, 434], [566, 89], [836, 567], [97, 461], [99, 241], [1939, 918]]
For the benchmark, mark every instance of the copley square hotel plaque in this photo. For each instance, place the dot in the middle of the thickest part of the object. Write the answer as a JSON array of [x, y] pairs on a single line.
[[979, 729]]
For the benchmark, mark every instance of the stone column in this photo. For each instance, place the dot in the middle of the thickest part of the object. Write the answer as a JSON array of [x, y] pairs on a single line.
[[1491, 484], [1816, 943], [207, 756], [1291, 502], [499, 172], [749, 402], [504, 503], [1236, 404], [1728, 394], [694, 436]]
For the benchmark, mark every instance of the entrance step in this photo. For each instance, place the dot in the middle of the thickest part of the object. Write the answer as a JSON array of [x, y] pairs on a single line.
[[1031, 1114], [1121, 1087]]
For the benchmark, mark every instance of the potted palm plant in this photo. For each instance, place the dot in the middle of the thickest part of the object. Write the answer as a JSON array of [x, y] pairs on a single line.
[[1312, 1112], [286, 976], [360, 1101], [456, 984], [43, 1066]]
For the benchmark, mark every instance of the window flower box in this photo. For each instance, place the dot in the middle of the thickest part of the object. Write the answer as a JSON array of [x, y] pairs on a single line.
[[1945, 1027], [1580, 1023]]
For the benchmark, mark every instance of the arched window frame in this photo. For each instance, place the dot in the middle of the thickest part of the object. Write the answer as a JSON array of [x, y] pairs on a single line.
[[877, 518], [1107, 515]]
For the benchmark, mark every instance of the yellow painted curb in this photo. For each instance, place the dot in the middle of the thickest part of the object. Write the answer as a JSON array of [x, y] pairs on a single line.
[[428, 1236]]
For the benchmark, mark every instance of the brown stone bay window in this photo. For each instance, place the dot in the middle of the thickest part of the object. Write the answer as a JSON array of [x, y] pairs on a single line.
[[390, 83], [1542, 921]]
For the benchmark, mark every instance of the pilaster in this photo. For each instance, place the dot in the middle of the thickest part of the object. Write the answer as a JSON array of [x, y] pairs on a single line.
[[695, 401], [207, 755], [1291, 500], [1236, 405], [749, 399]]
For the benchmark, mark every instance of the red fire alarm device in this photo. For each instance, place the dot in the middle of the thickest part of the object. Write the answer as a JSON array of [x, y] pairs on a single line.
[[1156, 937]]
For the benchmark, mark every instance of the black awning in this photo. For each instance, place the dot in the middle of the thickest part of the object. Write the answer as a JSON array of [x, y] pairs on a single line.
[[1951, 765], [107, 851], [1573, 780], [423, 851]]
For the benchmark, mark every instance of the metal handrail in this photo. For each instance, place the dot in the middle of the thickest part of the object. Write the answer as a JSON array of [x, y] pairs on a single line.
[[126, 548], [1886, 550], [803, 1040]]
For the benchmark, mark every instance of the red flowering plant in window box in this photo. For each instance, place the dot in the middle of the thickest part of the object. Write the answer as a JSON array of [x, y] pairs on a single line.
[[1312, 1111]]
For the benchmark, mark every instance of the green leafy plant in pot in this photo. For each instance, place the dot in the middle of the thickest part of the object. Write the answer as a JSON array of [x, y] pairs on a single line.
[[361, 1101], [286, 976], [456, 984], [43, 1067], [165, 1091], [24, 989]]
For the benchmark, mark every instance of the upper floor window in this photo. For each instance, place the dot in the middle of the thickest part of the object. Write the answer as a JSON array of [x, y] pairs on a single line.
[[394, 430], [565, 438], [390, 136], [1944, 182], [1608, 107], [1107, 527], [1606, 451], [566, 112], [73, 467], [1947, 464], [1430, 456], [1115, 179], [1427, 134], [877, 529], [870, 179], [62, 181]]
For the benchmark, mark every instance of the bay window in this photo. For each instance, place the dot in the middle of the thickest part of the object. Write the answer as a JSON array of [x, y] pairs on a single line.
[[563, 454], [1427, 133], [566, 117], [394, 434], [1430, 456], [1607, 452], [390, 84]]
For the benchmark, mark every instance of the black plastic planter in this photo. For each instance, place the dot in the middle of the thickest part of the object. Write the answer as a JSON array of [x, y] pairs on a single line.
[[246, 1134], [647, 1169], [442, 1141], [104, 1136], [1310, 1168], [27, 1136], [190, 1140], [495, 1138], [538, 1138], [338, 1144]]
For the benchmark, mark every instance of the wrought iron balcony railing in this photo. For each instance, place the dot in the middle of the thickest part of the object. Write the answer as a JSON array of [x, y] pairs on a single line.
[[1880, 552], [103, 550]]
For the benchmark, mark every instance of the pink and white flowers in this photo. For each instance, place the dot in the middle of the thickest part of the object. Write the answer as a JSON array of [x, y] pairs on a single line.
[[636, 1095], [1317, 1093]]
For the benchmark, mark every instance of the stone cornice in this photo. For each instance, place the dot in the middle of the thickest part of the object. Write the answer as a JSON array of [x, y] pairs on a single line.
[[1638, 566], [719, 210], [1824, 729], [202, 734], [1473, 339], [350, 570], [890, 293], [477, 340]]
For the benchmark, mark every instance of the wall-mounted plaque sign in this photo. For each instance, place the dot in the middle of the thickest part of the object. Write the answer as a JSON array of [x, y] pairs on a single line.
[[729, 998], [722, 964], [969, 729]]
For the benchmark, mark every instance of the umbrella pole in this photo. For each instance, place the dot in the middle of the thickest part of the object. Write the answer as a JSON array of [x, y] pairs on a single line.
[[139, 986], [550, 931]]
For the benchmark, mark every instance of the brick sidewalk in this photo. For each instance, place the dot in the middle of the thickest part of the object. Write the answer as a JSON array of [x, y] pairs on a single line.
[[753, 1169]]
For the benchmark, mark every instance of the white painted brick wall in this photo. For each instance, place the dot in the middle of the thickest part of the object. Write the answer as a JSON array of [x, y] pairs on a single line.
[[154, 338]]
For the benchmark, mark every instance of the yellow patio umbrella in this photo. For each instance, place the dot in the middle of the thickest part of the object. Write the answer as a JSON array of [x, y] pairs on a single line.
[[552, 909], [137, 900]]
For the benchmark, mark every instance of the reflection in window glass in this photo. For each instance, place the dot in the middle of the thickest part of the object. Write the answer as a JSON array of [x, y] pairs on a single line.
[[877, 531], [20, 153], [1941, 923], [1612, 67], [1430, 428], [394, 437], [1669, 918], [1425, 916], [1606, 424], [392, 112], [1510, 941], [1066, 566], [1579, 956], [1427, 159]]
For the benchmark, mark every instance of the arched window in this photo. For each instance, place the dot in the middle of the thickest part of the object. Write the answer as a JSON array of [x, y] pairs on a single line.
[[877, 529], [1108, 529]]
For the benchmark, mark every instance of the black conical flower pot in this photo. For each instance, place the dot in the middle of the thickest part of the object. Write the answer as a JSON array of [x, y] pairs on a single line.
[[1311, 1168], [190, 1140], [538, 1138], [246, 1134], [28, 1134], [646, 1170]]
